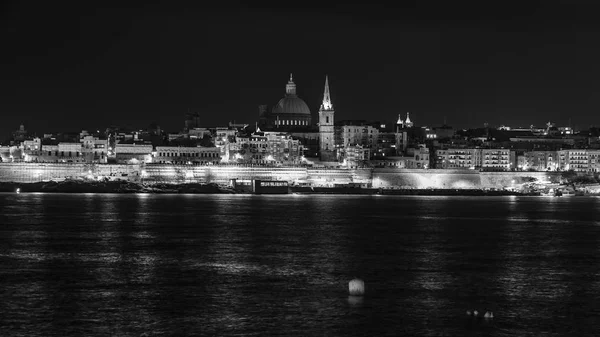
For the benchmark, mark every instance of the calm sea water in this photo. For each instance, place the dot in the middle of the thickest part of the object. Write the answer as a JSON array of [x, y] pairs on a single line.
[[162, 265]]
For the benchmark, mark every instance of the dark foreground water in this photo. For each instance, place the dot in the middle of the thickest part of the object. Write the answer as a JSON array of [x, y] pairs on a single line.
[[177, 265]]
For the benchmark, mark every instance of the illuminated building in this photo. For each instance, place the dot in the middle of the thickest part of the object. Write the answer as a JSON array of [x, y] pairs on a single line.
[[351, 137], [488, 159], [354, 155], [540, 161], [187, 155], [94, 149], [415, 158], [271, 148], [579, 160], [457, 158], [225, 141], [419, 157], [496, 159], [11, 154], [386, 144], [133, 153]]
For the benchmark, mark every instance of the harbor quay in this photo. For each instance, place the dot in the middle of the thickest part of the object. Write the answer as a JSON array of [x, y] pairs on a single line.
[[228, 175]]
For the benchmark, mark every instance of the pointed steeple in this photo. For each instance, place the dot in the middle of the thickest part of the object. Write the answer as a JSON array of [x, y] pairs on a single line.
[[327, 105], [290, 87], [407, 121], [400, 121]]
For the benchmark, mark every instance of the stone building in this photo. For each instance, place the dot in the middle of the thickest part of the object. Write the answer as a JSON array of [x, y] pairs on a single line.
[[187, 155], [271, 148], [133, 153]]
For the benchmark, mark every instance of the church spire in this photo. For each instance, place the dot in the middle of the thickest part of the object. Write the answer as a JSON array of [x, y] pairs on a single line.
[[290, 87], [408, 122], [400, 121], [327, 105]]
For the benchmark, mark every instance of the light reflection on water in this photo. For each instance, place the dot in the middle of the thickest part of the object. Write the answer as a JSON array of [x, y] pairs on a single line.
[[279, 265]]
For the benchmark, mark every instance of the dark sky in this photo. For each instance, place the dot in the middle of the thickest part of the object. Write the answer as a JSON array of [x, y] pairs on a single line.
[[66, 66]]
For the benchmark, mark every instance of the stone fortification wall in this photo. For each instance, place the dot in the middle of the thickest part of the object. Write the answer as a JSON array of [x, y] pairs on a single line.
[[407, 178], [456, 179], [506, 179], [29, 173], [35, 172], [166, 173], [217, 174], [223, 174], [328, 177]]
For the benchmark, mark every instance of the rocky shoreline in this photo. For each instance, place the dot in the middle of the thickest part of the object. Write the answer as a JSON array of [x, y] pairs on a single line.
[[81, 186], [111, 187]]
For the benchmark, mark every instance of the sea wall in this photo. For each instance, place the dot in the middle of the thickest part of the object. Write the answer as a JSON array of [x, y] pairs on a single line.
[[504, 179], [35, 172], [414, 178], [165, 173], [455, 179]]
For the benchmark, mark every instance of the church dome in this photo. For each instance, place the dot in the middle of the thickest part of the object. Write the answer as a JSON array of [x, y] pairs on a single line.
[[290, 112], [291, 105]]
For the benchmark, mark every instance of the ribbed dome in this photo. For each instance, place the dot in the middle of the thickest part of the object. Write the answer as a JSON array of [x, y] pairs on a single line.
[[291, 105]]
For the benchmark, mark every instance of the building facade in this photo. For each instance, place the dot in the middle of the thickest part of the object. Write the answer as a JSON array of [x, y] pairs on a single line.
[[133, 153], [187, 155], [476, 158]]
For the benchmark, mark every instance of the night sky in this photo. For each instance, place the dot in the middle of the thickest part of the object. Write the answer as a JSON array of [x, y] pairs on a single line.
[[67, 66]]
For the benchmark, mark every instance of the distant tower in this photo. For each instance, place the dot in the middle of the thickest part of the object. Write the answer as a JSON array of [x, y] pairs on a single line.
[[399, 123], [401, 135], [192, 120], [407, 122], [326, 128]]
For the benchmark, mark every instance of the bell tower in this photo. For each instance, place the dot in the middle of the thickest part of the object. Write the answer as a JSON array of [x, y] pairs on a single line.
[[326, 127]]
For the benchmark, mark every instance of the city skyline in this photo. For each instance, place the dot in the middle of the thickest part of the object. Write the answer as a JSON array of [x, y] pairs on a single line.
[[507, 65]]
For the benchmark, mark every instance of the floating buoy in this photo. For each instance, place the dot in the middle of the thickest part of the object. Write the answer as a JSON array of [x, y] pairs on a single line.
[[475, 312], [18, 190], [356, 287], [468, 312], [488, 315]]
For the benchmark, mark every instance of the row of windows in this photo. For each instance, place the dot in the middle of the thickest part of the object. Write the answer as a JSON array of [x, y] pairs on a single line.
[[195, 154], [358, 130], [69, 153], [184, 162], [292, 122]]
